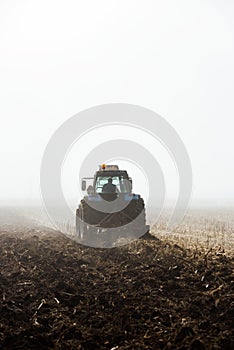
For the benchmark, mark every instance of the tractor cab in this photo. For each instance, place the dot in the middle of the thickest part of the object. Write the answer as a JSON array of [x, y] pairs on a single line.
[[119, 178]]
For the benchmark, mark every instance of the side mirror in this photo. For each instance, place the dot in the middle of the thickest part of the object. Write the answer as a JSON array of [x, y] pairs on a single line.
[[83, 185]]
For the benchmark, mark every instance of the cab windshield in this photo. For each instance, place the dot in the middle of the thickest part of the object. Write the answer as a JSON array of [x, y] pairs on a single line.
[[121, 183]]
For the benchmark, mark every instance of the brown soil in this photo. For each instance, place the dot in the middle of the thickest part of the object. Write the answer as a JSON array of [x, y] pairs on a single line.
[[150, 294]]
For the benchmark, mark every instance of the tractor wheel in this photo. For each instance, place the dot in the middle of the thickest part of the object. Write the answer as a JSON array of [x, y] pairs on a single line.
[[135, 210], [81, 225], [88, 218], [77, 223]]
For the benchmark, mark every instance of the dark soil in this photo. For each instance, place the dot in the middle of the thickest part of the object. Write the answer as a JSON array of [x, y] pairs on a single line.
[[150, 294]]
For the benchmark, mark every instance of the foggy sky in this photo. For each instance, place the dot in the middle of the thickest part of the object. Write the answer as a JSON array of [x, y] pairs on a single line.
[[60, 57]]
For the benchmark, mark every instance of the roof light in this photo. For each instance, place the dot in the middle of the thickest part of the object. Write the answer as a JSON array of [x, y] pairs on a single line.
[[108, 167]]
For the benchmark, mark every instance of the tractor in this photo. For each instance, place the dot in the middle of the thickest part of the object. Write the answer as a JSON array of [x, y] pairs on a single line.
[[109, 207]]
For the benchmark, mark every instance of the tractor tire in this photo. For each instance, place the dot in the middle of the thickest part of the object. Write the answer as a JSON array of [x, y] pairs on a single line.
[[86, 218], [135, 211]]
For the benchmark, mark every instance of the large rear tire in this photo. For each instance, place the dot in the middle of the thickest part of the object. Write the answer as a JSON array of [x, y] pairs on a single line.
[[135, 211], [81, 225]]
